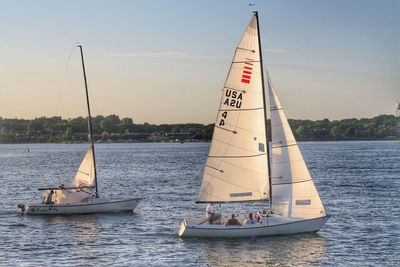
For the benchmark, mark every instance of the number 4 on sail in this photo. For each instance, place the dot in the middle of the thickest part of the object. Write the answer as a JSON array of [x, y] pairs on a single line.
[[239, 169]]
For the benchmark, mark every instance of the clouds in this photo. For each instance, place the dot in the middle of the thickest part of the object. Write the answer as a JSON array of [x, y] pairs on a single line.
[[159, 55]]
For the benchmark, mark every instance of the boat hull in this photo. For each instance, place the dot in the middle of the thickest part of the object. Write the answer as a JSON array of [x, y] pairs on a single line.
[[273, 227], [92, 206]]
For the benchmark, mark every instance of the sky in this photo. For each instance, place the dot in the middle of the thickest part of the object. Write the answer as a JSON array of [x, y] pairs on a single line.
[[161, 61]]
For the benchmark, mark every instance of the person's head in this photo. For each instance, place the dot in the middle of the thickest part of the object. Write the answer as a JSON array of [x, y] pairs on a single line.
[[251, 215], [232, 216], [51, 191]]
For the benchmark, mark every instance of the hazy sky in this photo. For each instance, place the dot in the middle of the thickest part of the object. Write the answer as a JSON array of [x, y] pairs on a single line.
[[166, 61]]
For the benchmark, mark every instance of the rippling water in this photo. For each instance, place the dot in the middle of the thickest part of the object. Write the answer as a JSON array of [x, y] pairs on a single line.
[[359, 182]]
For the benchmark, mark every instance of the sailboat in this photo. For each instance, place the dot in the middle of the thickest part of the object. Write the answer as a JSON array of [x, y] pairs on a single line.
[[82, 194], [239, 168]]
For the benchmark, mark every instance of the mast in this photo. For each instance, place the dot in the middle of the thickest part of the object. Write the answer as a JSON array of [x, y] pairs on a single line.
[[89, 121], [265, 108]]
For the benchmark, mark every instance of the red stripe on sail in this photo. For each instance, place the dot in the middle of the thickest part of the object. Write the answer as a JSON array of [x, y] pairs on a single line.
[[246, 75]]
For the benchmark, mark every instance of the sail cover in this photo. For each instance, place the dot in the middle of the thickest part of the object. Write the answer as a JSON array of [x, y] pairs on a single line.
[[237, 164], [85, 175], [293, 190]]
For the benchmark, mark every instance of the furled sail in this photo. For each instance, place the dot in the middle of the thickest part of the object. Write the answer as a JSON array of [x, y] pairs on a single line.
[[85, 175], [237, 164], [293, 190]]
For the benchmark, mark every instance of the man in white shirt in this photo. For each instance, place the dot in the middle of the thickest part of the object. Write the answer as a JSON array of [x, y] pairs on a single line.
[[210, 215]]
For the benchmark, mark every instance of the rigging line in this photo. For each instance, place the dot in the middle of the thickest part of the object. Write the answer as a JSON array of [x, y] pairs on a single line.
[[298, 182], [245, 49], [243, 109], [71, 52], [283, 146], [234, 132], [233, 157]]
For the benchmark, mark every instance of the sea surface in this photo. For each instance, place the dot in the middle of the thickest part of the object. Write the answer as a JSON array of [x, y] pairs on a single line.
[[359, 183]]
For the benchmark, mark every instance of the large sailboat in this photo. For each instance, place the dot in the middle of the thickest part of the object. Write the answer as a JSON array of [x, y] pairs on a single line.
[[81, 195], [239, 168]]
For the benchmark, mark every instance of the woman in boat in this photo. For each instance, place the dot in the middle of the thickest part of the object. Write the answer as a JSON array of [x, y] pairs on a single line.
[[232, 221], [257, 217]]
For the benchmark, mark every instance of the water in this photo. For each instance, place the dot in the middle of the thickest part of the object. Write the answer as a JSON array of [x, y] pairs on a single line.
[[359, 182]]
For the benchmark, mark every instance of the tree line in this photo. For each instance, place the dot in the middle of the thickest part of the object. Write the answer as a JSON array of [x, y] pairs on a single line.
[[112, 128]]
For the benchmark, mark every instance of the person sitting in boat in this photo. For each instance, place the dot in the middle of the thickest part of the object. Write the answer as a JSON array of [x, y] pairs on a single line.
[[210, 215], [232, 221], [250, 219], [51, 197], [258, 217]]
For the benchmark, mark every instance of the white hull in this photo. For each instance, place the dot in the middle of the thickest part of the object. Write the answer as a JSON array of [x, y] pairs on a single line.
[[95, 205], [269, 227]]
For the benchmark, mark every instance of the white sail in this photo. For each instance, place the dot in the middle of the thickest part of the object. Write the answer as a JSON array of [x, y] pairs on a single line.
[[237, 164], [85, 174], [293, 190]]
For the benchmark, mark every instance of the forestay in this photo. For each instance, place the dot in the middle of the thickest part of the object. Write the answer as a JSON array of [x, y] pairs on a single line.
[[293, 190], [237, 164], [85, 175]]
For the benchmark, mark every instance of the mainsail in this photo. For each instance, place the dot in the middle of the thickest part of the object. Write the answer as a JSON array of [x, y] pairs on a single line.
[[293, 190], [237, 164], [85, 175]]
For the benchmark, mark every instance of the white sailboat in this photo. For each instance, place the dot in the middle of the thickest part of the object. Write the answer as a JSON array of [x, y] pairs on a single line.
[[238, 168], [81, 195]]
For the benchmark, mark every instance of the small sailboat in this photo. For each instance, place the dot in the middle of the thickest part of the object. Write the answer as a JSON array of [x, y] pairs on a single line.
[[239, 169], [82, 195]]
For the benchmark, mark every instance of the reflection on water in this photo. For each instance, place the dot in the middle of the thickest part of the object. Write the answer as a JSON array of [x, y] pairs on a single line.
[[307, 249]]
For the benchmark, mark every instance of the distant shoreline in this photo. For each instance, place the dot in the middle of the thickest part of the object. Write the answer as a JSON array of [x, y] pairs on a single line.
[[112, 129]]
